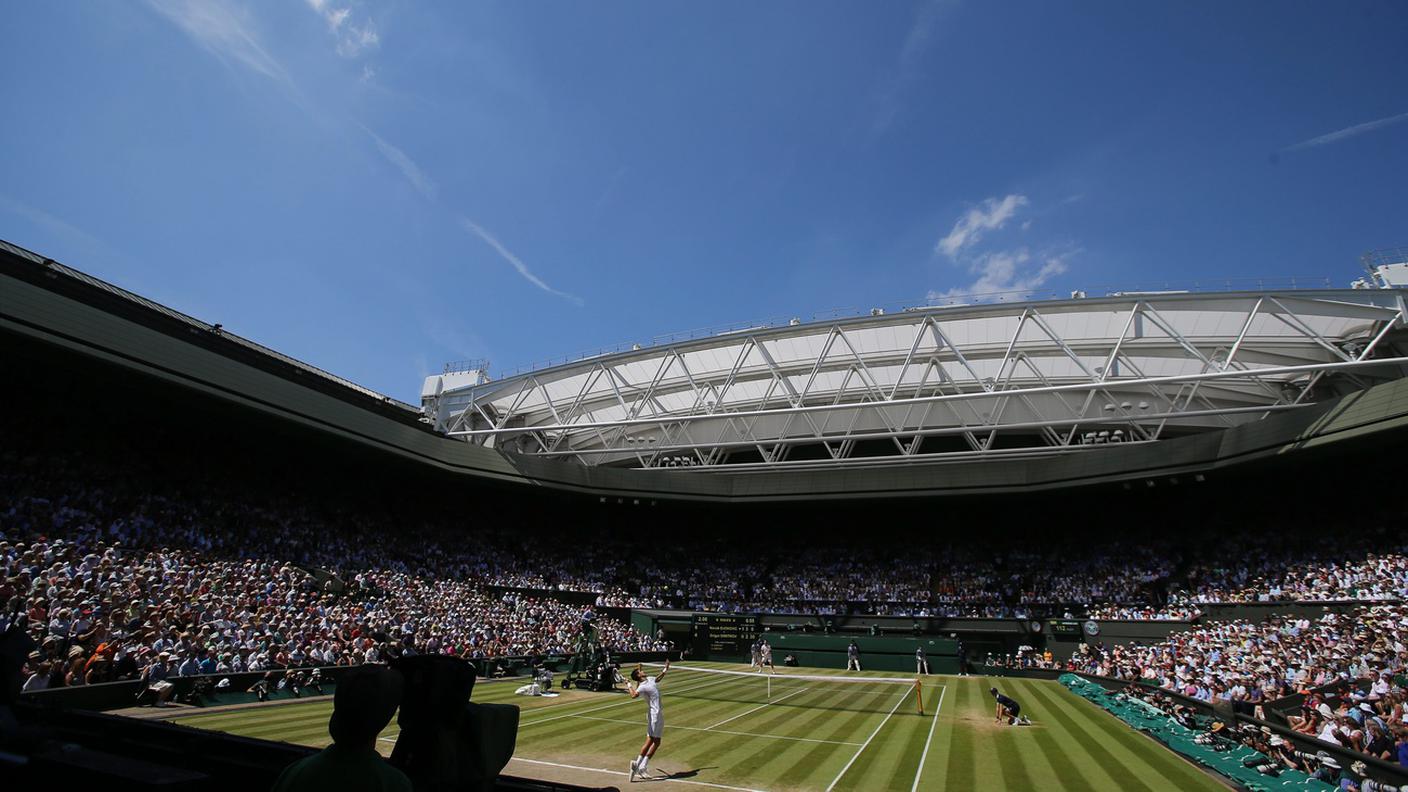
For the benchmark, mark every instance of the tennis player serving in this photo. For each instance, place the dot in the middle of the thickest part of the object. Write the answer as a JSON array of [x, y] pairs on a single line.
[[647, 687]]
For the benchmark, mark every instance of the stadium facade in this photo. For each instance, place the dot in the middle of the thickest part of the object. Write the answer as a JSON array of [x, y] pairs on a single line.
[[1119, 389]]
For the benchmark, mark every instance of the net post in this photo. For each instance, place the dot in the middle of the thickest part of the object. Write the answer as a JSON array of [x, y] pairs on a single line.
[[919, 693]]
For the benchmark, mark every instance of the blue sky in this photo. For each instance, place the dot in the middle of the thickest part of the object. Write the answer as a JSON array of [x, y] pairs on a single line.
[[377, 188]]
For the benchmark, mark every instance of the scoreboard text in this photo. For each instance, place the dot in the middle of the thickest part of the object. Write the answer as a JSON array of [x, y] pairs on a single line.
[[724, 633]]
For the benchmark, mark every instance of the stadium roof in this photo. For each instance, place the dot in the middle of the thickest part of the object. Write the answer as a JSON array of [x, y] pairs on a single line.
[[67, 320], [941, 383]]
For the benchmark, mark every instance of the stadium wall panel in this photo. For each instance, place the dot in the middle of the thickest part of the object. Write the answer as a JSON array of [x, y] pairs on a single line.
[[876, 654]]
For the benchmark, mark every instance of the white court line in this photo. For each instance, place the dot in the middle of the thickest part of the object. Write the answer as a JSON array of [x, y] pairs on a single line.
[[619, 773], [837, 779], [930, 739], [755, 709], [723, 731], [522, 725]]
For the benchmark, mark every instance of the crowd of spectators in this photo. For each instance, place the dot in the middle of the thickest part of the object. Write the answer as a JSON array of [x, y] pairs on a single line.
[[1351, 669], [121, 583], [121, 579], [1371, 564], [1117, 580], [1274, 753]]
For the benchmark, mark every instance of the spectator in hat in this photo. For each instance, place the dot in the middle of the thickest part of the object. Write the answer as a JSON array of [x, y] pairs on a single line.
[[362, 706], [76, 674], [157, 677], [1377, 742], [1329, 770], [39, 680]]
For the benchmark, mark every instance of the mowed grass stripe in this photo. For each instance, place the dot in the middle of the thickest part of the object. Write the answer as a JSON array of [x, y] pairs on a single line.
[[987, 766], [621, 707], [1129, 771], [939, 750], [287, 712], [1012, 745], [882, 758], [1058, 754], [903, 750], [313, 727], [1082, 760], [1162, 760], [712, 750], [745, 763], [820, 763], [296, 736], [607, 702], [960, 770], [581, 733], [595, 738], [253, 726], [713, 704], [1074, 745]]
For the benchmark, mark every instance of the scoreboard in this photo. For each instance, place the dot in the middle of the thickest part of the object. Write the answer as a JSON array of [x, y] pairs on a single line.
[[724, 633]]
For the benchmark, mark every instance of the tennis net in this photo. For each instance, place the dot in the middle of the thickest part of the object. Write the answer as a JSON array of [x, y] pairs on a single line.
[[782, 689]]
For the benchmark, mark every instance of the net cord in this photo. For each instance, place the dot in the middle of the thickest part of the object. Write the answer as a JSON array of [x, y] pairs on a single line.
[[801, 677], [914, 684]]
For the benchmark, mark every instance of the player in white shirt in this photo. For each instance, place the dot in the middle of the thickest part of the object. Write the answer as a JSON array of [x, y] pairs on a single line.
[[766, 656], [646, 687]]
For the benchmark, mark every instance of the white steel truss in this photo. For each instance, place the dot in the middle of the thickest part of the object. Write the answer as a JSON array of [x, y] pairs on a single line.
[[954, 383]]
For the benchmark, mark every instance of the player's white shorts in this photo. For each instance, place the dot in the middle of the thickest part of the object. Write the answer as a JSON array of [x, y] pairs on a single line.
[[655, 726]]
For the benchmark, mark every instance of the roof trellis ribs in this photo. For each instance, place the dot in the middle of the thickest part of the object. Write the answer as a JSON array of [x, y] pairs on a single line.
[[1031, 378]]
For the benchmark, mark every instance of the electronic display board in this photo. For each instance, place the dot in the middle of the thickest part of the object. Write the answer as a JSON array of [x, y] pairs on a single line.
[[724, 633]]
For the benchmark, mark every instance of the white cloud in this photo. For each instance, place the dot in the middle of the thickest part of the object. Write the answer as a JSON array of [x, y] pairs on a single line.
[[336, 18], [224, 31], [1016, 273], [352, 39], [405, 164], [357, 40], [489, 239], [1347, 132], [992, 214]]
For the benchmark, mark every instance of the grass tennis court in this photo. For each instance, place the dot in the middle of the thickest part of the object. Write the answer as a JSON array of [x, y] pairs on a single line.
[[728, 732]]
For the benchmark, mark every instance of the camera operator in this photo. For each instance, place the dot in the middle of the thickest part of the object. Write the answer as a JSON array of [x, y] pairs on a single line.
[[1285, 754], [1328, 770], [1356, 779]]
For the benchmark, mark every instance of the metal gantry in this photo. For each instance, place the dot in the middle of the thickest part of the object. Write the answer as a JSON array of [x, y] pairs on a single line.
[[951, 383]]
